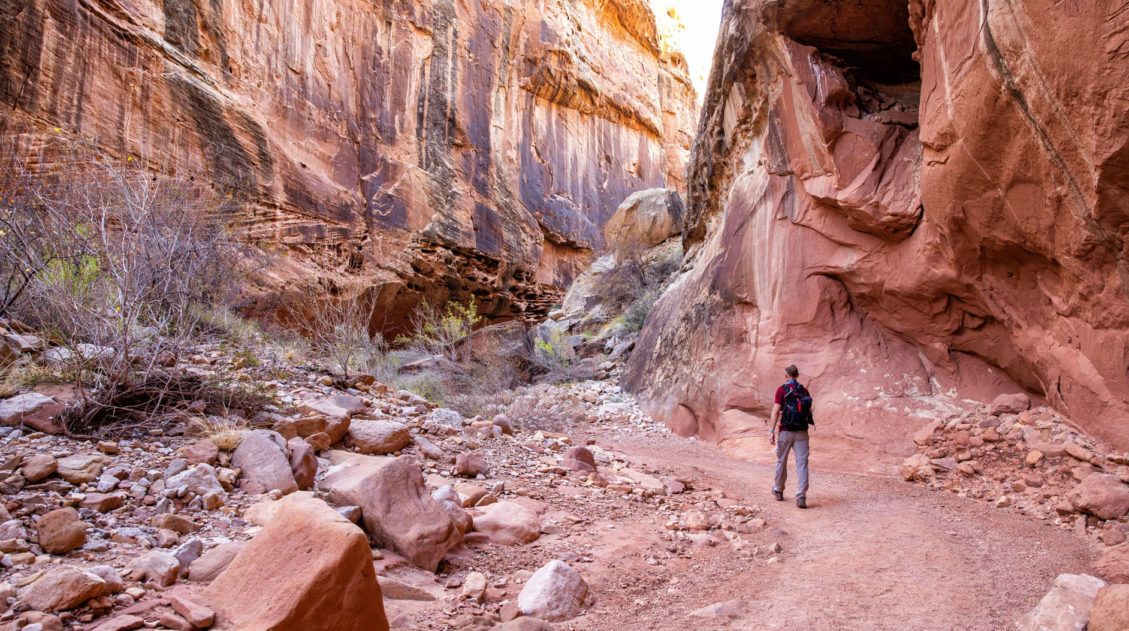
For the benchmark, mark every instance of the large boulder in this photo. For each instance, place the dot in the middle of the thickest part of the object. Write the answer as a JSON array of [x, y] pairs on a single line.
[[263, 459], [396, 508], [379, 437], [1066, 607], [555, 592], [62, 588], [309, 569], [507, 523], [1103, 496], [644, 220], [1111, 609]]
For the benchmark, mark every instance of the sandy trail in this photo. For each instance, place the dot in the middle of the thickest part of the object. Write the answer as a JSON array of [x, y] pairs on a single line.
[[870, 553]]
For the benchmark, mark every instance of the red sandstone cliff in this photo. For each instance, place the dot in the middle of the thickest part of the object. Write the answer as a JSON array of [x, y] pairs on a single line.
[[409, 148], [905, 200]]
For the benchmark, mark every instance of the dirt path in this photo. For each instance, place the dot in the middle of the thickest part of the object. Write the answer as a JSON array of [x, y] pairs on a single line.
[[870, 553]]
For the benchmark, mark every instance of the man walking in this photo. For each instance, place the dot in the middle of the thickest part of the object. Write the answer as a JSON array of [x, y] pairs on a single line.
[[792, 409]]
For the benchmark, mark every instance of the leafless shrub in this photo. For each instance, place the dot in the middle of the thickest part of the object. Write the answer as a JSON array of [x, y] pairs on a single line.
[[113, 261], [444, 332]]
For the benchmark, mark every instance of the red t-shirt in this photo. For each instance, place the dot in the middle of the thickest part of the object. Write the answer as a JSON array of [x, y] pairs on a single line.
[[780, 395]]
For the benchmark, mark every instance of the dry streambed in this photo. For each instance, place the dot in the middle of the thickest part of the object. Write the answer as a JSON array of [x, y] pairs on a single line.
[[594, 518]]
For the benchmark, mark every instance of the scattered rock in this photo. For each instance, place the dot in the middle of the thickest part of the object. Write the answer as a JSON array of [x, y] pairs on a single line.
[[917, 468], [81, 468], [103, 502], [308, 569], [121, 623], [398, 512], [199, 480], [176, 523], [203, 451], [199, 615], [303, 462], [61, 531], [39, 467], [470, 465], [14, 410], [474, 586], [160, 567], [555, 592], [1066, 607], [1103, 496], [429, 449], [507, 523], [1010, 404], [263, 459], [379, 437], [579, 459], [62, 588]]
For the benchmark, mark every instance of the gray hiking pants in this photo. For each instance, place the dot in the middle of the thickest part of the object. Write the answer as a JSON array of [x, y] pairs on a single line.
[[785, 442]]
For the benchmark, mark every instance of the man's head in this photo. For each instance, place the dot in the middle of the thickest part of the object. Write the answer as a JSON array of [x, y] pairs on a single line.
[[792, 372]]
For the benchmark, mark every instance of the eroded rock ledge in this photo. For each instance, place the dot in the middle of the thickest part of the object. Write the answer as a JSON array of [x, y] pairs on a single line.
[[354, 133], [905, 199]]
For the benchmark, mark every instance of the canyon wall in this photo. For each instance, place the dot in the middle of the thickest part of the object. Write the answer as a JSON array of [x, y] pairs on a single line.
[[406, 148], [906, 200]]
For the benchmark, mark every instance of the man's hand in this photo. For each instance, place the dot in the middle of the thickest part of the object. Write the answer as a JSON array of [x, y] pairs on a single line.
[[772, 438]]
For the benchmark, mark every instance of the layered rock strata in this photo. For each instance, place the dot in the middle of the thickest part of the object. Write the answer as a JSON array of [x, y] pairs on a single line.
[[411, 149], [905, 199]]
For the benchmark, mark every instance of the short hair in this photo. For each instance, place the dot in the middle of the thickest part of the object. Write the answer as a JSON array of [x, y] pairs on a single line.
[[792, 371]]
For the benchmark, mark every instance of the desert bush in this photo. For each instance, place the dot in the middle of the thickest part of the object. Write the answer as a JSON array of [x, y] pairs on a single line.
[[636, 313], [225, 432], [430, 385], [111, 268], [444, 332], [225, 322], [338, 334]]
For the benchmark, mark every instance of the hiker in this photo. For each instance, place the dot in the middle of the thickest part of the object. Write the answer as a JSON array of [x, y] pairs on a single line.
[[792, 409]]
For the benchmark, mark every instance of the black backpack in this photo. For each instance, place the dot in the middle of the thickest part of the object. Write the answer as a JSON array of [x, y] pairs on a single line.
[[796, 412]]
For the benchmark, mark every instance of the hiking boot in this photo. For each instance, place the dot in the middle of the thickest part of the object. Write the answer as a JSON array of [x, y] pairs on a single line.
[[779, 495], [801, 502]]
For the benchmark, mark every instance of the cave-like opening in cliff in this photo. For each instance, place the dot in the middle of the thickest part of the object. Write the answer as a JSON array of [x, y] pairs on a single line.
[[871, 38]]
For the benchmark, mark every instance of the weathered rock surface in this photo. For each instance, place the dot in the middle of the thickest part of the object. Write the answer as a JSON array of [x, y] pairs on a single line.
[[61, 531], [408, 149], [507, 523], [1103, 496], [397, 510], [309, 568], [379, 437], [1113, 566], [900, 198], [15, 409], [1066, 607], [1111, 609], [214, 561], [263, 458], [644, 220], [555, 592], [62, 588]]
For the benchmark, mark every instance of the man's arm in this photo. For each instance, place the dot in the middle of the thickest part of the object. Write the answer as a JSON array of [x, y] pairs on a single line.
[[774, 418]]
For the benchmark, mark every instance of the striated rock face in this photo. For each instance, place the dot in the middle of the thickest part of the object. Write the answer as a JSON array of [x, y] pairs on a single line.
[[904, 199], [410, 149]]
